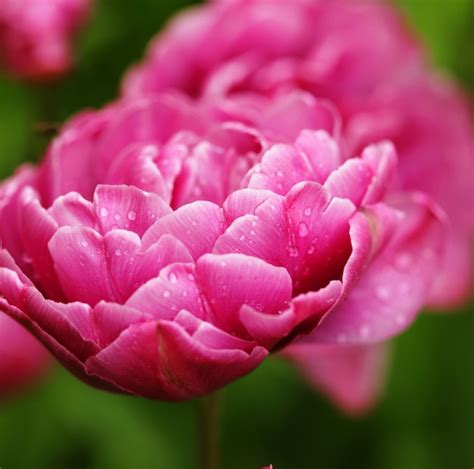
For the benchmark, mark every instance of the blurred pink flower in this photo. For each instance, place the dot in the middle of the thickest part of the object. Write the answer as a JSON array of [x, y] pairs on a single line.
[[36, 36], [164, 249], [22, 359], [358, 54]]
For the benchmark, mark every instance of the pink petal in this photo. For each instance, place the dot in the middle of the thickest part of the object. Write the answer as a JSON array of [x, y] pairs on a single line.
[[126, 207], [394, 287], [382, 158], [73, 210], [169, 364], [281, 168], [233, 280], [111, 319], [81, 265], [322, 152], [196, 225], [136, 166], [130, 266], [175, 289], [352, 377], [320, 226], [350, 181]]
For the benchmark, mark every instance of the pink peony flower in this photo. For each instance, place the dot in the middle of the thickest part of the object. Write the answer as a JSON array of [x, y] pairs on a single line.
[[36, 36], [359, 55], [164, 249]]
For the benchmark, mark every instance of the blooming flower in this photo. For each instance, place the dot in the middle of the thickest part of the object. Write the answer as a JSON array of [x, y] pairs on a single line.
[[361, 57], [164, 248], [36, 35]]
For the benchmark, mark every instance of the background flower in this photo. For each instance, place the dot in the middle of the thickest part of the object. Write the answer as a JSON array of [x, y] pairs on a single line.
[[36, 36]]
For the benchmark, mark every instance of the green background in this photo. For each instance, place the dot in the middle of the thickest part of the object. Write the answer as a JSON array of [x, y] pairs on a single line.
[[426, 420]]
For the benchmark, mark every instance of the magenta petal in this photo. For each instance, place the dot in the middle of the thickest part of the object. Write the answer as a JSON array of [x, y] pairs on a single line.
[[175, 289], [281, 168], [73, 210], [382, 158], [111, 319], [297, 111], [267, 329], [350, 181], [322, 152], [81, 264], [321, 235], [135, 166], [352, 376], [126, 207], [246, 201], [232, 280], [196, 225], [395, 285], [170, 363]]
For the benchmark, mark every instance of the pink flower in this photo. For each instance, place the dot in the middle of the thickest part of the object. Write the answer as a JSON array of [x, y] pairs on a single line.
[[360, 56], [36, 36], [164, 249], [22, 359]]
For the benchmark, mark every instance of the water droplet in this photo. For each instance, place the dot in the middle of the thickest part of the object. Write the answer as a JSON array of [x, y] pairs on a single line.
[[118, 252], [103, 212], [117, 216], [172, 278], [242, 238], [308, 211], [364, 331], [403, 261], [279, 173], [383, 293], [293, 252], [310, 250], [84, 243], [223, 263], [166, 294], [252, 232], [303, 230], [185, 294], [132, 215]]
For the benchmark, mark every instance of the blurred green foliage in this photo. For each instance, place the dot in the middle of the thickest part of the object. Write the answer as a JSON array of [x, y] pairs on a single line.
[[272, 416]]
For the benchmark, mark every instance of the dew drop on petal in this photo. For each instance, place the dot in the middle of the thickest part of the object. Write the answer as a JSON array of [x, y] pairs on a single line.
[[166, 294], [308, 211], [172, 278], [84, 243], [303, 230], [382, 293], [103, 212], [132, 215]]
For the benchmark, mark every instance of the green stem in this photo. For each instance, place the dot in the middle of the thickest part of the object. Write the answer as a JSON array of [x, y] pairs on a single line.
[[209, 432]]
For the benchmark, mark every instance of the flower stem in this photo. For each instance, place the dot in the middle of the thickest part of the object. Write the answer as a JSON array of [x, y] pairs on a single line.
[[209, 431]]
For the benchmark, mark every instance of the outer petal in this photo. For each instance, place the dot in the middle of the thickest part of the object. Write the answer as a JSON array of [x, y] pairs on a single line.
[[394, 286], [170, 363], [351, 376]]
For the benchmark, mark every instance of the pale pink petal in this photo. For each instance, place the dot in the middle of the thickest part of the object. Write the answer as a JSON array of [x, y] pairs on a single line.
[[73, 210]]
